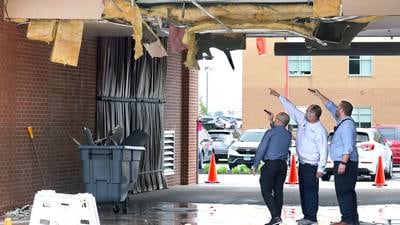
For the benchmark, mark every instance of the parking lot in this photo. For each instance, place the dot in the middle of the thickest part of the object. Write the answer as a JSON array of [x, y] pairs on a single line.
[[224, 163]]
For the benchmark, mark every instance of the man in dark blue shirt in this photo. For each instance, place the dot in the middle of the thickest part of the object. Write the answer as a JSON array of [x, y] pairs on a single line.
[[274, 150]]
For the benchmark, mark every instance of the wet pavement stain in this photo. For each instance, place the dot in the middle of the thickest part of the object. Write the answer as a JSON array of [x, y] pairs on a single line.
[[231, 214], [224, 214]]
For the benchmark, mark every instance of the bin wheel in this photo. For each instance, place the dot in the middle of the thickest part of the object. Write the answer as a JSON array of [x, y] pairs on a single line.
[[125, 206], [116, 209]]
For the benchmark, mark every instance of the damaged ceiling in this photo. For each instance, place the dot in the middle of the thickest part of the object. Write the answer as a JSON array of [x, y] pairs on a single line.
[[199, 24]]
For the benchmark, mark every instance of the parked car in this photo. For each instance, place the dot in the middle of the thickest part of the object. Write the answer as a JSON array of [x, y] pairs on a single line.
[[243, 151], [223, 123], [370, 145], [235, 122], [222, 139], [208, 122], [239, 122], [211, 123], [391, 134], [205, 147]]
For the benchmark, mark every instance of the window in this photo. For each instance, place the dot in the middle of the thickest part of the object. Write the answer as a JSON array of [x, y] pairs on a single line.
[[360, 65], [299, 65], [251, 136], [362, 116]]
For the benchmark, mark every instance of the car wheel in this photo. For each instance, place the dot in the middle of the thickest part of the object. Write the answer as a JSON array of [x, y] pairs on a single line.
[[389, 173], [326, 177], [201, 160], [231, 166], [372, 178]]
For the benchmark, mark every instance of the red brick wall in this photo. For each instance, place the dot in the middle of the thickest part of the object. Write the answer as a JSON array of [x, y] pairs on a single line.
[[55, 100], [180, 115]]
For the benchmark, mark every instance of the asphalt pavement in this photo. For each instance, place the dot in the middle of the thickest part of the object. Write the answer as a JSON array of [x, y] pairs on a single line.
[[236, 199]]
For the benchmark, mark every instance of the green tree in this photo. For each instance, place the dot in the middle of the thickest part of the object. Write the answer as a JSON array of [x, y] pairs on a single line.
[[203, 108]]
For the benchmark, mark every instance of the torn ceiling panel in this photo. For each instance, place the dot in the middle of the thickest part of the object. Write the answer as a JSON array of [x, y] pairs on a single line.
[[224, 42], [294, 17], [233, 16], [54, 9], [189, 38], [335, 35]]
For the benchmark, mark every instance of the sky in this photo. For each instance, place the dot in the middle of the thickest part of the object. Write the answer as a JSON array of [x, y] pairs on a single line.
[[224, 84]]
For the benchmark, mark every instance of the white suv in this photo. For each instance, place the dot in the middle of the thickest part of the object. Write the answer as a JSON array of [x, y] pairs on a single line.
[[243, 151], [370, 146]]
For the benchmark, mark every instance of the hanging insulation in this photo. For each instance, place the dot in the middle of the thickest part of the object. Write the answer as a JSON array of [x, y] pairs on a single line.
[[68, 42]]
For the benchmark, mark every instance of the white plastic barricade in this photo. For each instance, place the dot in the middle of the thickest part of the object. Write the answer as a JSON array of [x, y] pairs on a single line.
[[51, 208]]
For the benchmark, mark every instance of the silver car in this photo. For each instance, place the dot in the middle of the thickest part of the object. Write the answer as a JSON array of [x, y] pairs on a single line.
[[222, 139], [243, 151]]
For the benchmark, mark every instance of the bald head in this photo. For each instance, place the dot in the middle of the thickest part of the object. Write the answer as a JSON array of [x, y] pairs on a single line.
[[283, 118]]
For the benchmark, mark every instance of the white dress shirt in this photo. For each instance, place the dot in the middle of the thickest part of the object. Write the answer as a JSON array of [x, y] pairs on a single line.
[[311, 139]]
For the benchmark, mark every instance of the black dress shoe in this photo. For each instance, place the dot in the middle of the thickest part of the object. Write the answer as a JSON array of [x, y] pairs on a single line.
[[274, 221]]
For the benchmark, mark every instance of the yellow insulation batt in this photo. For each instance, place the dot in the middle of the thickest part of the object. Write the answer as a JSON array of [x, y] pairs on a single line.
[[137, 31], [326, 8], [245, 12], [41, 30], [68, 42], [123, 10]]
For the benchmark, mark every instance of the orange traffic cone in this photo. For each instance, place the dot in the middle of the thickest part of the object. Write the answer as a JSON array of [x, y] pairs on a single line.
[[380, 174], [7, 221], [293, 179], [212, 172]]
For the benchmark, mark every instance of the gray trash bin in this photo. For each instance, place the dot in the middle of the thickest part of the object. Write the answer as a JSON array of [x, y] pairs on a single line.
[[109, 172]]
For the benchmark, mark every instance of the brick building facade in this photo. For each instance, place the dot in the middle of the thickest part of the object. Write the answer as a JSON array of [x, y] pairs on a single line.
[[57, 101], [370, 85]]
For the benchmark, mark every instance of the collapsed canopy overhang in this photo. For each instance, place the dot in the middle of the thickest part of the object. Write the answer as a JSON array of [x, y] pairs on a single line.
[[271, 18]]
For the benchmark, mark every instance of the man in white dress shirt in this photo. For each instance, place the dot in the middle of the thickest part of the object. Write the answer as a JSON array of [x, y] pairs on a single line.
[[312, 152]]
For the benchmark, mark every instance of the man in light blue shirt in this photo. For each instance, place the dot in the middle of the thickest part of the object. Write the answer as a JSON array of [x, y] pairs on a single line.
[[312, 152], [343, 151]]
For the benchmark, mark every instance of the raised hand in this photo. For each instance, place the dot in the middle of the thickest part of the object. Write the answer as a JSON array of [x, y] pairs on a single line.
[[314, 91], [273, 92]]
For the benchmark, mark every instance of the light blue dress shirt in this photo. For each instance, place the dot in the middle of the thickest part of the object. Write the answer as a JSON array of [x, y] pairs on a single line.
[[344, 139]]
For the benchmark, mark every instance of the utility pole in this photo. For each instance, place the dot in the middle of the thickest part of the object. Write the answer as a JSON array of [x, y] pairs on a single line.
[[207, 69]]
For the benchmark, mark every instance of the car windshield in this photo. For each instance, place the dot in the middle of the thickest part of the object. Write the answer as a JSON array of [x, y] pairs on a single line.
[[206, 119], [252, 136], [361, 137], [219, 136], [388, 133]]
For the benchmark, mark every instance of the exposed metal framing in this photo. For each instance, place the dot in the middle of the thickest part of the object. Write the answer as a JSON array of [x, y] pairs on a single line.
[[210, 15]]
